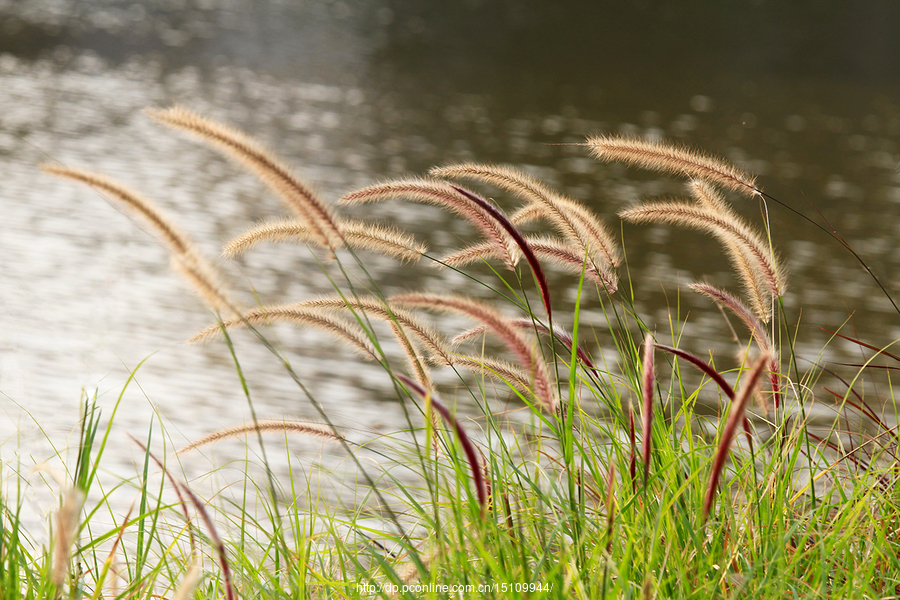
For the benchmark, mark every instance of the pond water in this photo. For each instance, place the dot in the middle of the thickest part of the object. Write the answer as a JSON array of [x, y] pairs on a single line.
[[352, 92]]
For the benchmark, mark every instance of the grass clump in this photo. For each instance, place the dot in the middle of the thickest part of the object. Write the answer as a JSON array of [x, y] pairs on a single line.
[[643, 471]]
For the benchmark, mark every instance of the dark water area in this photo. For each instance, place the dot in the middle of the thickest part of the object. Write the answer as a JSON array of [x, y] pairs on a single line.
[[806, 95]]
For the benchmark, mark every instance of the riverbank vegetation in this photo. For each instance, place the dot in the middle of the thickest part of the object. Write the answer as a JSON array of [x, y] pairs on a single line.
[[563, 460]]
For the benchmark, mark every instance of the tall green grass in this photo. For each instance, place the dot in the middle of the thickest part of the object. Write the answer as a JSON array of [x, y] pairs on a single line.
[[618, 482]]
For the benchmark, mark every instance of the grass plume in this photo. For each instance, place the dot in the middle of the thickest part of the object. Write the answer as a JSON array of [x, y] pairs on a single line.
[[264, 164], [280, 426], [530, 360], [187, 259], [577, 224], [377, 308], [670, 158], [446, 196], [753, 259], [301, 315], [364, 236], [735, 416], [67, 521]]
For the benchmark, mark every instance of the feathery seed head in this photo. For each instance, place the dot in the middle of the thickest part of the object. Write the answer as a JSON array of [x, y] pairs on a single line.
[[265, 165], [669, 158], [530, 360]]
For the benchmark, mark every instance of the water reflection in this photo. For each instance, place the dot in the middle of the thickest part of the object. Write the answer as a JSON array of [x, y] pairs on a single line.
[[353, 92]]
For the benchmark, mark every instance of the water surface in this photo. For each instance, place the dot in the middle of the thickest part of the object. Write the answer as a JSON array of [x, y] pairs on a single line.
[[354, 92]]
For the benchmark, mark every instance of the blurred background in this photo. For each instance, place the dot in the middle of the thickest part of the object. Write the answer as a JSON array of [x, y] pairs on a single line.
[[804, 94]]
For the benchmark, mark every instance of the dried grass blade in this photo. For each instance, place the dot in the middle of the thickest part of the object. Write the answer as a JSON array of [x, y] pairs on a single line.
[[712, 374], [175, 485], [216, 540], [863, 344], [703, 366]]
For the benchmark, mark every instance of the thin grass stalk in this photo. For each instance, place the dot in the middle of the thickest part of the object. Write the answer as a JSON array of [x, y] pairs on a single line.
[[735, 416], [110, 557], [833, 233], [610, 505], [476, 465], [632, 446], [175, 486]]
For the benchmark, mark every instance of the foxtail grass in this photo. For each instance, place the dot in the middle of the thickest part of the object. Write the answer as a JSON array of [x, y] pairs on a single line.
[[284, 427], [532, 495], [578, 225], [187, 259], [669, 158], [363, 236], [752, 258], [316, 214]]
